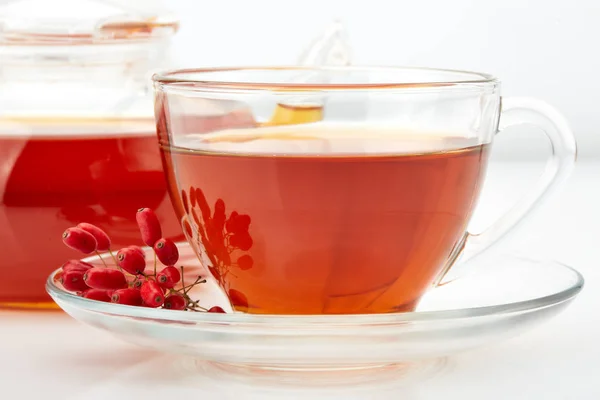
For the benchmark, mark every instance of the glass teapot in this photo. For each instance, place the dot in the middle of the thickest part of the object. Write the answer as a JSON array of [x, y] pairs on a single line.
[[77, 131]]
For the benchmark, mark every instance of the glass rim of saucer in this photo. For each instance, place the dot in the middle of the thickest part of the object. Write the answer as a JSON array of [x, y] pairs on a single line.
[[194, 79], [272, 320]]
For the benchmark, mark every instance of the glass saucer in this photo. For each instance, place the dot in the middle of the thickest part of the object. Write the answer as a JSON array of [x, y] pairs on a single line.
[[506, 296]]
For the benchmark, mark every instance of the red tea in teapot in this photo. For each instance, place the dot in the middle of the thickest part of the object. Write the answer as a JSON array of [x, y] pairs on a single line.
[[94, 171]]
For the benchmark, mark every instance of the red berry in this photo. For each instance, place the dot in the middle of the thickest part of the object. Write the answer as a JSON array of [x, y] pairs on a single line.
[[78, 239], [128, 296], [245, 262], [168, 277], [96, 294], [149, 226], [104, 278], [138, 282], [76, 265], [131, 261], [152, 294], [216, 310], [72, 280], [101, 237], [175, 301], [166, 251], [138, 249]]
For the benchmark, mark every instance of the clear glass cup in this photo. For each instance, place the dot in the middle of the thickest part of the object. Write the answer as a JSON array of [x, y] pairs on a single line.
[[77, 131], [339, 190]]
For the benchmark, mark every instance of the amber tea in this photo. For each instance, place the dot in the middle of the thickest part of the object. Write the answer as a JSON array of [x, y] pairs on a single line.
[[318, 219], [340, 189]]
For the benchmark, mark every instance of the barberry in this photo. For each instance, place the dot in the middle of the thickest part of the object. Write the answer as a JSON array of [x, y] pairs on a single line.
[[102, 239], [104, 278], [138, 249], [131, 261], [72, 280], [128, 296], [80, 240], [149, 226], [168, 277], [96, 294], [76, 265], [166, 251], [152, 294], [175, 301]]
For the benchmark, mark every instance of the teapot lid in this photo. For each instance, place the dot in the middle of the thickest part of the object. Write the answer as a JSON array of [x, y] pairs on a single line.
[[81, 58], [83, 22]]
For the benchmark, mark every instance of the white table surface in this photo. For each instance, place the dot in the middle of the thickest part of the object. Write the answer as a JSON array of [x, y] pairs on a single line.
[[51, 356]]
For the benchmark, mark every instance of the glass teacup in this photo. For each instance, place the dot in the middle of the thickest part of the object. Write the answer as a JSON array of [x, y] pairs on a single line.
[[338, 190]]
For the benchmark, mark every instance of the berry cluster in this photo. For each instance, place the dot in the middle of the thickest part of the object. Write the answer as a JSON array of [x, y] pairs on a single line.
[[130, 284]]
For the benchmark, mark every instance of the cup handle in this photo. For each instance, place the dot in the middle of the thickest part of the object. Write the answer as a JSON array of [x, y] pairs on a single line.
[[519, 111]]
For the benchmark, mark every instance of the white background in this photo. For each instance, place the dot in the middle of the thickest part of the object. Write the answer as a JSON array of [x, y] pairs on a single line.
[[546, 49], [541, 48]]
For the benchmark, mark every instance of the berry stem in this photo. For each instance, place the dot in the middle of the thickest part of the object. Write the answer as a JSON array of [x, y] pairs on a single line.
[[155, 257], [102, 282], [114, 260], [101, 259], [194, 306], [182, 277], [113, 257], [188, 287]]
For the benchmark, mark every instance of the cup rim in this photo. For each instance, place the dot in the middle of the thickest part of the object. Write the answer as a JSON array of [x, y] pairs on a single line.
[[191, 78]]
